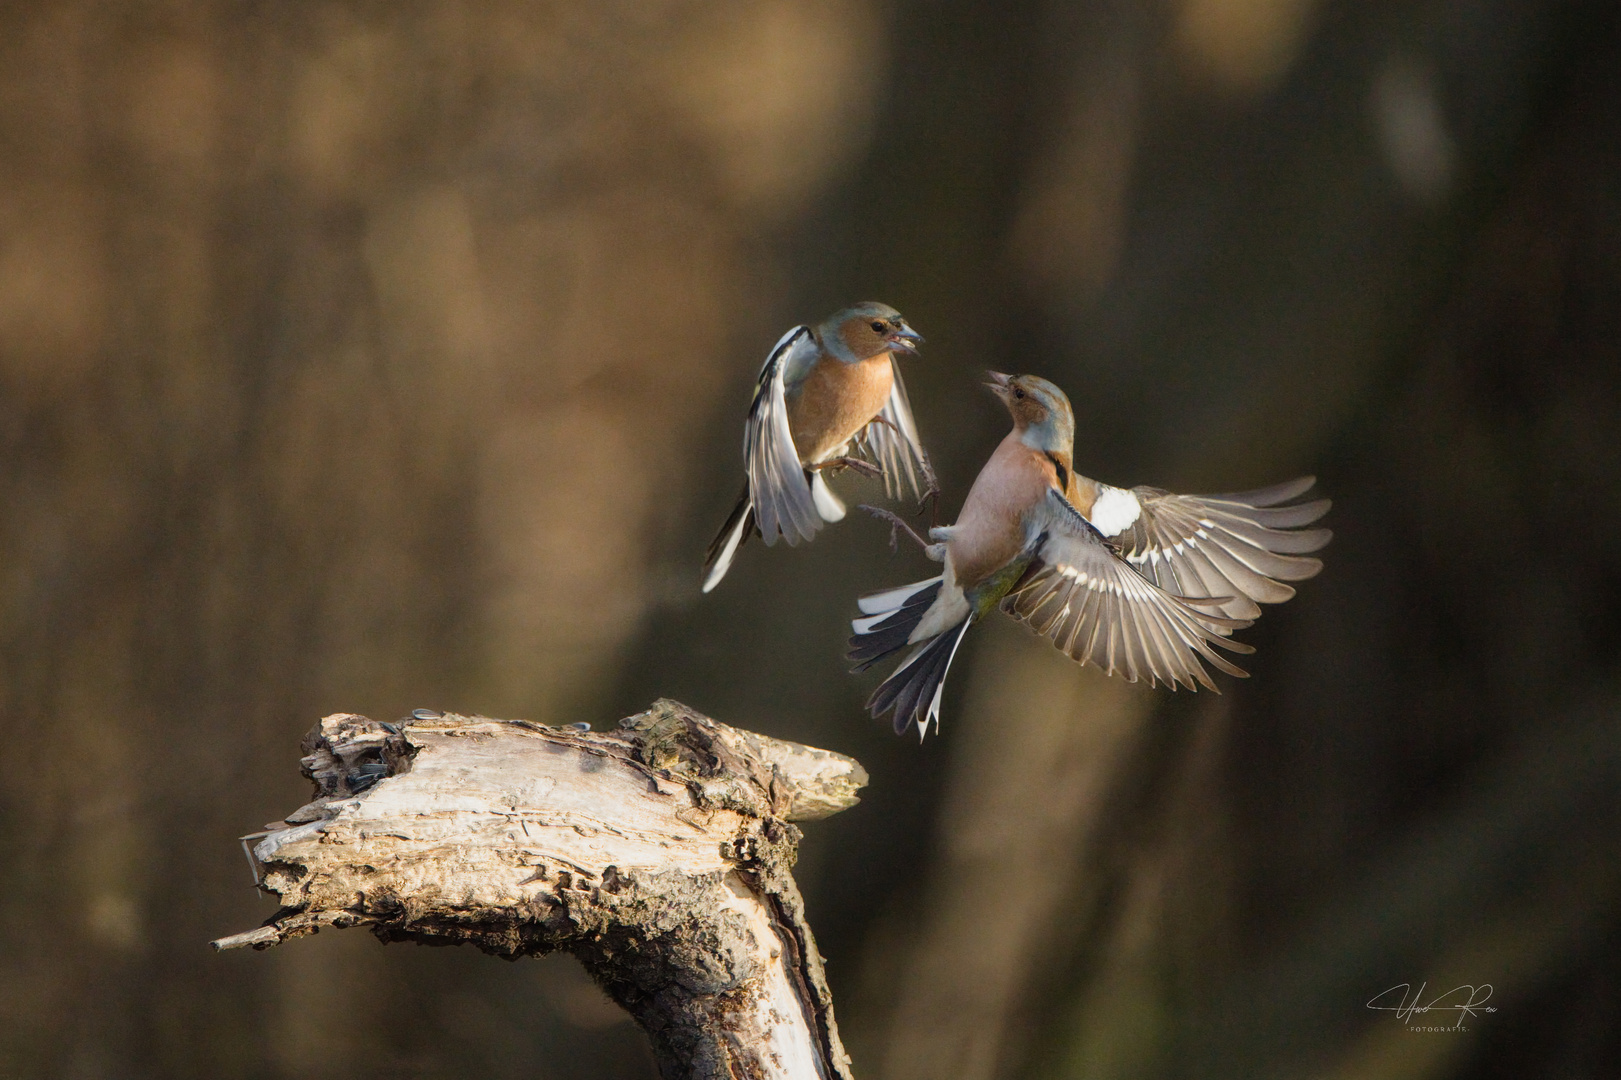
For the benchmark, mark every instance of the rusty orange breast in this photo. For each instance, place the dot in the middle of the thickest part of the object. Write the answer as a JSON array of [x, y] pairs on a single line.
[[835, 401]]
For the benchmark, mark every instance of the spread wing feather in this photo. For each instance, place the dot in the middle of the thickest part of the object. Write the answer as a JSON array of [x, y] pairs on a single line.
[[783, 503], [1098, 610], [1242, 546], [892, 441]]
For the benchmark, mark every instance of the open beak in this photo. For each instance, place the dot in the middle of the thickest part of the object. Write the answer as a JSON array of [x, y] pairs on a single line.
[[905, 340], [999, 383]]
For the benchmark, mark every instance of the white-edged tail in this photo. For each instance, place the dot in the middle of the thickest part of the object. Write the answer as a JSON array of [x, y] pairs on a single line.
[[889, 620], [915, 688], [723, 548]]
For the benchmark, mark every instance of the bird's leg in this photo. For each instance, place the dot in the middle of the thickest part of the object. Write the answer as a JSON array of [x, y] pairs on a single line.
[[896, 526], [865, 468], [932, 495]]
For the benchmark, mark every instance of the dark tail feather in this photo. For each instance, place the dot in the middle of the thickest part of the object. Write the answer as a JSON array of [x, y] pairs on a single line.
[[733, 535], [914, 690], [886, 634]]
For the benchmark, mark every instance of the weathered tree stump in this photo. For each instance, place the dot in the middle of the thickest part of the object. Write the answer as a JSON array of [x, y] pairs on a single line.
[[659, 854]]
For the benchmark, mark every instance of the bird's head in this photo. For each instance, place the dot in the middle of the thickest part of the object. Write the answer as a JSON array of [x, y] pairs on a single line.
[[865, 330], [1041, 412]]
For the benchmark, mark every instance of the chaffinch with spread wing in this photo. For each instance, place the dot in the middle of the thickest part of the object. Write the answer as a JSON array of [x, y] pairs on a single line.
[[1140, 582], [825, 392]]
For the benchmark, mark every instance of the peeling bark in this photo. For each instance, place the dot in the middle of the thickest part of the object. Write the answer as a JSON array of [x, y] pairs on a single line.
[[659, 854]]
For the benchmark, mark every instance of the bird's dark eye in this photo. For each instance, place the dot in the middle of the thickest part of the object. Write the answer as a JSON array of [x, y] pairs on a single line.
[[879, 328], [1019, 394]]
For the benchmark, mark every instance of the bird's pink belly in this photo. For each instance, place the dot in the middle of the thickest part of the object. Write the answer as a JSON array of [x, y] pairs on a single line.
[[980, 550], [989, 532]]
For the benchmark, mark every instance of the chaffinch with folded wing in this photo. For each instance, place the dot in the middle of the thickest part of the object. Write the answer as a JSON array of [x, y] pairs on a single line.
[[826, 392], [1140, 582]]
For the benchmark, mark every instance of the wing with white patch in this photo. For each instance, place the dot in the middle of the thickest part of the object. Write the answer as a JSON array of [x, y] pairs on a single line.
[[892, 441], [1097, 609], [783, 503], [1242, 546], [1114, 510]]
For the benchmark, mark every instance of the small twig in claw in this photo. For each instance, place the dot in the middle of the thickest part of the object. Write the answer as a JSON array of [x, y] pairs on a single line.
[[896, 525]]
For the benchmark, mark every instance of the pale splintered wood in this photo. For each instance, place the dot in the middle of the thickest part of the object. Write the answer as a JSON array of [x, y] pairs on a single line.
[[658, 853]]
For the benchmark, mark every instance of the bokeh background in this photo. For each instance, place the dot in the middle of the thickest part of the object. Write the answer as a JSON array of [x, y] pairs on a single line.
[[368, 356]]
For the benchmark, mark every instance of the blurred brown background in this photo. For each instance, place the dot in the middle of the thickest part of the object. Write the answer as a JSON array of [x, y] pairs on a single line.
[[371, 356]]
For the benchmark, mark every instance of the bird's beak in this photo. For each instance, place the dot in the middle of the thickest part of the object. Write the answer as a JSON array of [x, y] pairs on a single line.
[[999, 383], [905, 340]]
